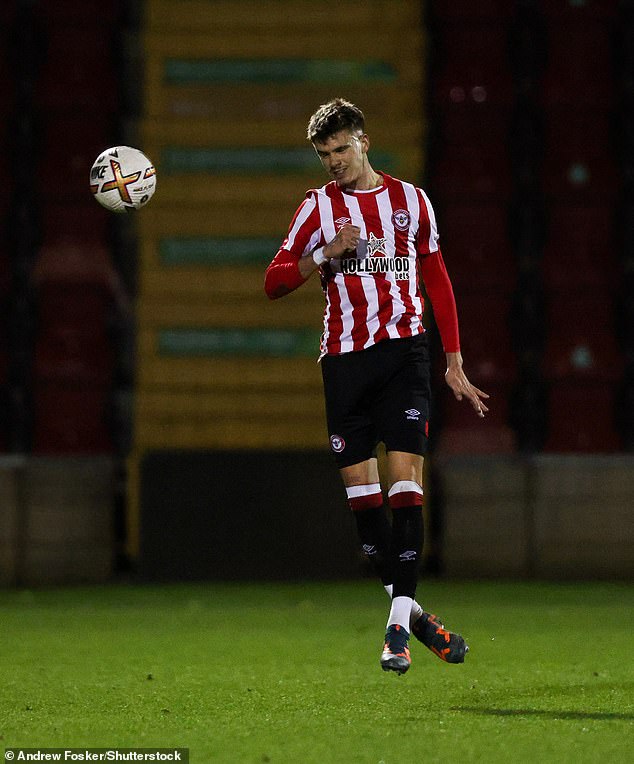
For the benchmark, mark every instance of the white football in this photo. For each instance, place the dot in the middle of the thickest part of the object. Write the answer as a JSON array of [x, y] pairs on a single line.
[[122, 179]]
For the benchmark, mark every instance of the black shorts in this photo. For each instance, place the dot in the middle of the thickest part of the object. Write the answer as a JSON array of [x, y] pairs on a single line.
[[380, 394]]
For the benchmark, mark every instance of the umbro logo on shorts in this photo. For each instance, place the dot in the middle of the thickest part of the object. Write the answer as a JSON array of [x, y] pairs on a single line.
[[409, 555], [413, 414]]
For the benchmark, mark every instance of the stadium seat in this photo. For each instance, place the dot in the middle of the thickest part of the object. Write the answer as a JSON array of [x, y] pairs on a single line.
[[69, 147], [476, 438], [473, 124], [581, 342], [485, 337], [66, 353], [581, 418], [475, 245], [79, 13], [83, 224], [587, 12], [5, 192], [6, 83], [72, 264], [579, 157], [463, 432], [76, 294], [472, 172], [7, 13], [580, 251], [70, 418], [472, 65], [83, 82], [578, 131], [460, 414], [579, 65], [5, 287], [462, 10]]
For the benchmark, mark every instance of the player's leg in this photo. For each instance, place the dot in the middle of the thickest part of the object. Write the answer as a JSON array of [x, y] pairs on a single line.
[[405, 496], [406, 501], [404, 413], [365, 500], [374, 529], [349, 384], [353, 440], [401, 413]]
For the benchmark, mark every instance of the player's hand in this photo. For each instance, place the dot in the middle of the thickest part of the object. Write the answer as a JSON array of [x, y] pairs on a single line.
[[462, 388], [346, 240]]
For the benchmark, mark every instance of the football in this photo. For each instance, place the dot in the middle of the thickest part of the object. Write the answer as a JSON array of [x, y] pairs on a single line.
[[122, 179]]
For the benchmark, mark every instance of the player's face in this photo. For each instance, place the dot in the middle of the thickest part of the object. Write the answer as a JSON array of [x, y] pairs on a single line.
[[344, 157]]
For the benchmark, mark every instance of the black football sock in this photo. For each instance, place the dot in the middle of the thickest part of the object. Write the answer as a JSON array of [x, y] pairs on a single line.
[[375, 534], [406, 548]]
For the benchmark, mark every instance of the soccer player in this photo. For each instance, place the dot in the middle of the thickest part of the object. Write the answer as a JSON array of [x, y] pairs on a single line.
[[372, 237]]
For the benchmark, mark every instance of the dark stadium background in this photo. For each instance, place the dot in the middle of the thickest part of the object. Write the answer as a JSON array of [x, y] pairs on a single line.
[[160, 420]]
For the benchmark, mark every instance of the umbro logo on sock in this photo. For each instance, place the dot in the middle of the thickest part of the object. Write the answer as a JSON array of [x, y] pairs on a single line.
[[413, 414]]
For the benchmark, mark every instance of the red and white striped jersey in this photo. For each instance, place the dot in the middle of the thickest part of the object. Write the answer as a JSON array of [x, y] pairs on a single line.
[[375, 293]]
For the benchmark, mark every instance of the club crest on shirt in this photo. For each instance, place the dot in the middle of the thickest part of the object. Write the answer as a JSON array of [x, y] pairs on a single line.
[[401, 220]]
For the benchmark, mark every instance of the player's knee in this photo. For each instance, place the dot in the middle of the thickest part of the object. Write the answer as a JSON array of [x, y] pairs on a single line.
[[405, 493], [362, 497]]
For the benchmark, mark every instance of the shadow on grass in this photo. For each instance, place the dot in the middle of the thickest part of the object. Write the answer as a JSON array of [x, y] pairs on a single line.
[[589, 715]]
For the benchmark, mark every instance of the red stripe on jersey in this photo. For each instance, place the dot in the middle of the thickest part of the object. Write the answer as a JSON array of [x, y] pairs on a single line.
[[427, 226], [385, 313], [357, 297], [333, 322], [379, 286]]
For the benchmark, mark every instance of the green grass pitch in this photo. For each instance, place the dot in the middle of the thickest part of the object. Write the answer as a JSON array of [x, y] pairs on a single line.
[[290, 673]]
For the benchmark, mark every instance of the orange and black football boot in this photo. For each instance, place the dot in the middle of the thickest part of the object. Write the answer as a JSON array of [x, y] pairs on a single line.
[[395, 656], [449, 647]]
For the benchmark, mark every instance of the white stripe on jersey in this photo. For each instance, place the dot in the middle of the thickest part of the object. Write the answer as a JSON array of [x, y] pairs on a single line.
[[325, 216], [433, 228], [327, 226], [304, 213], [385, 214], [414, 210]]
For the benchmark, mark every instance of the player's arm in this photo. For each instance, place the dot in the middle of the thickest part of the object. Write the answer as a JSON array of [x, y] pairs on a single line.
[[288, 271], [346, 240], [283, 275], [440, 292]]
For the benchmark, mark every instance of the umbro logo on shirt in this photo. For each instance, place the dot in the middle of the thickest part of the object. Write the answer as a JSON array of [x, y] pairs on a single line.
[[340, 222]]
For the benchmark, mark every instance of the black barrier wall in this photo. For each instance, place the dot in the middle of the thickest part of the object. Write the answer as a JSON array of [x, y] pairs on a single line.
[[244, 515]]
